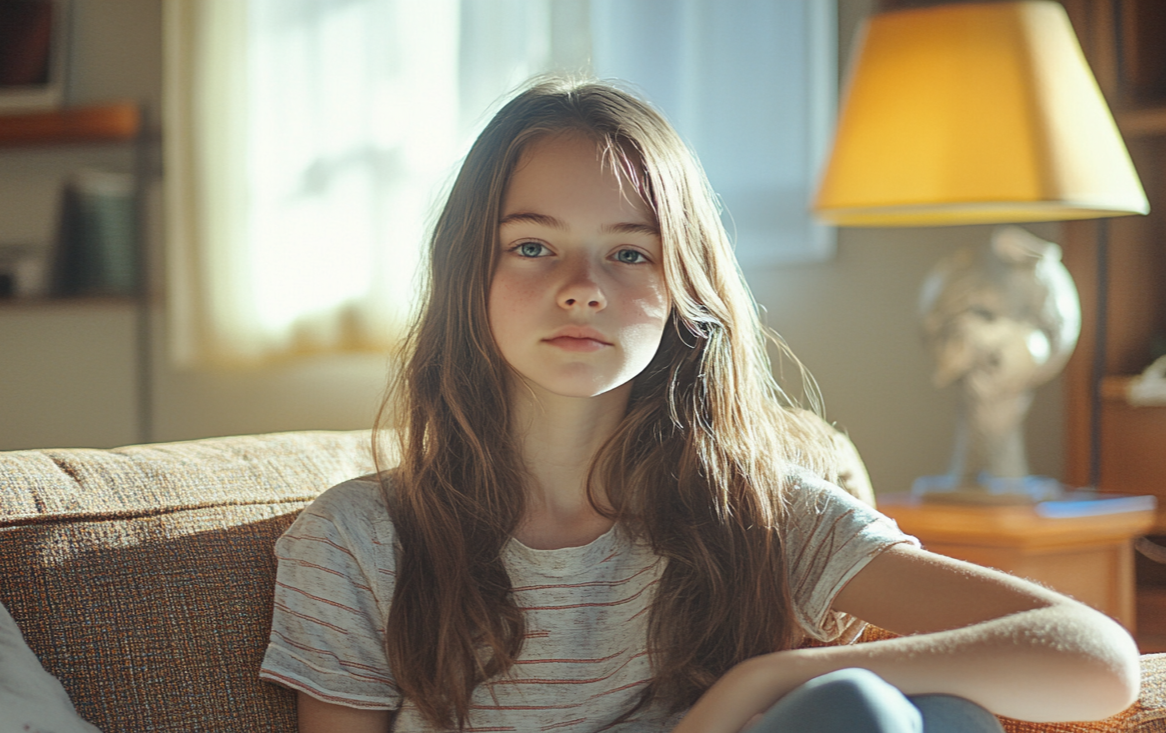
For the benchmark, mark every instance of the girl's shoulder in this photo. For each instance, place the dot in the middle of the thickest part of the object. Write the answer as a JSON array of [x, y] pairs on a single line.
[[811, 501], [818, 511], [354, 494], [356, 507], [804, 486], [341, 547]]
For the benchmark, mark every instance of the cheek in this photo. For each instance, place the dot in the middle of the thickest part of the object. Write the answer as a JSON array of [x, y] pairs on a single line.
[[651, 305], [645, 321], [510, 301], [503, 294], [512, 290]]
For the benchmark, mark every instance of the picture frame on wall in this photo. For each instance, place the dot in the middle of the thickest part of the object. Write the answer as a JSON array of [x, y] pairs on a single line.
[[33, 54]]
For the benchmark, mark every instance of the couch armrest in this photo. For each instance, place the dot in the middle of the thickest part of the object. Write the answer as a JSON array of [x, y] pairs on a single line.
[[1150, 711]]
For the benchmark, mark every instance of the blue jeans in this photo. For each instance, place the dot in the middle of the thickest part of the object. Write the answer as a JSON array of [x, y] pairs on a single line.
[[859, 701]]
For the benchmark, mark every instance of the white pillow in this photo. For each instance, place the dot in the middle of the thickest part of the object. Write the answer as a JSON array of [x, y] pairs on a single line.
[[33, 700]]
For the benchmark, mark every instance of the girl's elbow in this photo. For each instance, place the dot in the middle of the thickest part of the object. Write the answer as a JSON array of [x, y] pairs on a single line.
[[1117, 682], [1127, 680], [1090, 690], [1098, 661], [1110, 696]]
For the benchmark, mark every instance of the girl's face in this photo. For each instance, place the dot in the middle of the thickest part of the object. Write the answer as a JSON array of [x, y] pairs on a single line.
[[578, 301]]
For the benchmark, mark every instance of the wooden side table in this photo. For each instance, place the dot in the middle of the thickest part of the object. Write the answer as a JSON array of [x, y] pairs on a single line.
[[1080, 547]]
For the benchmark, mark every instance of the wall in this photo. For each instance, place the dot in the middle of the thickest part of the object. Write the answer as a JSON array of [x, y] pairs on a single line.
[[851, 320], [68, 371]]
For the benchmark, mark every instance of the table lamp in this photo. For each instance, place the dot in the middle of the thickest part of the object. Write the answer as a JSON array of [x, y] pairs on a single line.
[[978, 113]]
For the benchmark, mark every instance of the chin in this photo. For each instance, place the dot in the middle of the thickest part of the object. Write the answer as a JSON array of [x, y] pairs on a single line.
[[584, 392], [578, 389]]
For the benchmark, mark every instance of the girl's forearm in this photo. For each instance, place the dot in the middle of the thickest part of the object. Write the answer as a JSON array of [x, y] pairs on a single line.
[[1063, 662]]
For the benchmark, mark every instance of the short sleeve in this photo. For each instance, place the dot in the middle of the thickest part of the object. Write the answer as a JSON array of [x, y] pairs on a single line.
[[829, 536], [327, 631]]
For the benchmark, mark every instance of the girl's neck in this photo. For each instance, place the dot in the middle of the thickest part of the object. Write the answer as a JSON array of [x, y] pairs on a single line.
[[558, 438]]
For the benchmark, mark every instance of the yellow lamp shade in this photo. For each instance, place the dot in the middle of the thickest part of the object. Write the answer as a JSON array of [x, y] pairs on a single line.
[[975, 113]]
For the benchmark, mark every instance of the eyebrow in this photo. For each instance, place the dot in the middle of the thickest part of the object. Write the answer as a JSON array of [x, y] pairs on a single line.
[[553, 223]]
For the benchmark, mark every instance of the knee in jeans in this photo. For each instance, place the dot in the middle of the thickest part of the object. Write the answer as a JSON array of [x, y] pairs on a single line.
[[853, 685], [845, 701]]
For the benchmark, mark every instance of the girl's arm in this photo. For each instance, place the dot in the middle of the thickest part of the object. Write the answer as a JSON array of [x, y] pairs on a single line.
[[1015, 648], [316, 716]]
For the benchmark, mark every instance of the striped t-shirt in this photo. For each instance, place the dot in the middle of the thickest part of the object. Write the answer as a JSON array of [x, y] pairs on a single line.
[[583, 661]]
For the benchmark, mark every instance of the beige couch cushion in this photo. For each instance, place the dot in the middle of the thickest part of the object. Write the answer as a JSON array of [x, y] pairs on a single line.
[[142, 576]]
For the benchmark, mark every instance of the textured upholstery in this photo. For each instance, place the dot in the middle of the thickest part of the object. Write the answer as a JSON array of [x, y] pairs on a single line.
[[142, 576]]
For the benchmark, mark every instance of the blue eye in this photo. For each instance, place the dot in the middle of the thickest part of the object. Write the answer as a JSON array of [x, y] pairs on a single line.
[[630, 256], [530, 249]]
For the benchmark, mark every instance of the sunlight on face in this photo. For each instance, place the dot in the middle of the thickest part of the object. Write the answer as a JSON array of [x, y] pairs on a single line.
[[578, 302]]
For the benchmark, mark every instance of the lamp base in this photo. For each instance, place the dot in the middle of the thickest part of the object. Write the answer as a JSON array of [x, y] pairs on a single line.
[[989, 490]]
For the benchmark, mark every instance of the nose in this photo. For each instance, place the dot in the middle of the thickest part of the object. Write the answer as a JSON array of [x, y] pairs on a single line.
[[581, 290]]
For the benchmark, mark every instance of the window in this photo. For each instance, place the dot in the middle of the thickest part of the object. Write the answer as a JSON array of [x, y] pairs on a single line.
[[308, 141]]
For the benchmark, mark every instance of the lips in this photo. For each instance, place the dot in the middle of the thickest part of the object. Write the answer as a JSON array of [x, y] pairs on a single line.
[[578, 338]]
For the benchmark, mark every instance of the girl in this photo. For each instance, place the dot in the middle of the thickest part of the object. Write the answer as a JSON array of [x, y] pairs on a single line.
[[604, 514]]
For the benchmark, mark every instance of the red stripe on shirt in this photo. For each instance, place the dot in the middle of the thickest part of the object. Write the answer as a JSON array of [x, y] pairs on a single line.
[[560, 707], [628, 686], [347, 664], [564, 724], [592, 584], [330, 571], [318, 599], [313, 619], [323, 540], [571, 661], [620, 602], [569, 681]]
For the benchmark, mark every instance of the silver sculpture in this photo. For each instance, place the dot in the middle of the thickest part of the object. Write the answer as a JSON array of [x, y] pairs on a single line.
[[1000, 321]]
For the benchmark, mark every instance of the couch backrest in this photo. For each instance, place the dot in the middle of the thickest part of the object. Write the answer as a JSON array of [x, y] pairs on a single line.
[[142, 576]]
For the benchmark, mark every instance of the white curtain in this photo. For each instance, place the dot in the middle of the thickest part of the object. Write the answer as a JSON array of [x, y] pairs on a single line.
[[308, 142]]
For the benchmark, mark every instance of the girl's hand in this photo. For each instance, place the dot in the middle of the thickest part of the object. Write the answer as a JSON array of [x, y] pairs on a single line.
[[747, 690]]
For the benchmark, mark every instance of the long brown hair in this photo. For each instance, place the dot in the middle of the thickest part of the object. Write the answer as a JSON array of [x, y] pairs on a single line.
[[696, 467]]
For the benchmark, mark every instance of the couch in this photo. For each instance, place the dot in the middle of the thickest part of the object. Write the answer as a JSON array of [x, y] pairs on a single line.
[[142, 577]]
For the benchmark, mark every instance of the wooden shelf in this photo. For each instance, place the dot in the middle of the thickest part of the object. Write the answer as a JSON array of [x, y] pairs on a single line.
[[118, 122], [1116, 388], [1146, 122], [68, 303]]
